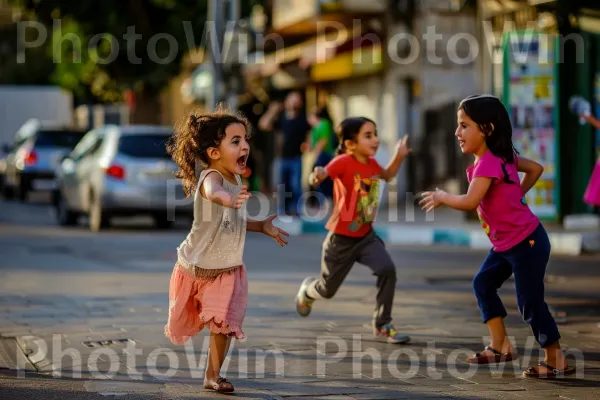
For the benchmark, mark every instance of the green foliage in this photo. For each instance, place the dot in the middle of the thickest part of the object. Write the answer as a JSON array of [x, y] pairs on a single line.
[[107, 67], [35, 72], [86, 61]]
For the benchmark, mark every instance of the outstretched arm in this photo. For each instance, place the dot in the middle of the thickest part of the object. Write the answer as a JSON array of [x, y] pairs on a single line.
[[590, 119], [465, 202], [532, 170], [400, 154], [266, 226], [318, 176], [265, 122], [212, 190]]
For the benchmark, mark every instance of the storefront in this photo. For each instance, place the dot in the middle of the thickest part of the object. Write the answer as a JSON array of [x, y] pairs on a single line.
[[322, 51], [542, 55]]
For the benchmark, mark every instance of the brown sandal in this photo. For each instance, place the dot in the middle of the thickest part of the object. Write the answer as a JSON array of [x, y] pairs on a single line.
[[498, 357], [554, 373], [221, 385]]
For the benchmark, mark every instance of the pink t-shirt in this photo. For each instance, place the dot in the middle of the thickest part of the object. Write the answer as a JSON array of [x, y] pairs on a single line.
[[503, 212]]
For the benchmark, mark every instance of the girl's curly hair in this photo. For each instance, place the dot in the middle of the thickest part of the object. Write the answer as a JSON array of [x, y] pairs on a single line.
[[194, 136]]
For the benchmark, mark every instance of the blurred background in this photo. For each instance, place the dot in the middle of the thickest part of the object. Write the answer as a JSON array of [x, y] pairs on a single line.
[[126, 68]]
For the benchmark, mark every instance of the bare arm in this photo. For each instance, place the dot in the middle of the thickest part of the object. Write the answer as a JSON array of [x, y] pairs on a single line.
[[265, 123], [532, 171], [266, 227], [393, 166], [318, 176], [591, 120], [320, 146], [400, 154], [470, 201], [212, 190], [465, 202], [254, 225]]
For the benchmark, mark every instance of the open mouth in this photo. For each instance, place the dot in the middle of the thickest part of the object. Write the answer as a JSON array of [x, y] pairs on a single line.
[[461, 143], [241, 162]]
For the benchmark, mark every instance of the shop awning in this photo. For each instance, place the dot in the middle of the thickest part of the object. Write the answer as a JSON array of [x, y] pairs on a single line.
[[318, 49], [358, 62], [491, 8]]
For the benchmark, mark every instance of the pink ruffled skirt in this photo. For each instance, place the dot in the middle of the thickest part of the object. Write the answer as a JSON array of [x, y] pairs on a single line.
[[592, 193], [218, 303]]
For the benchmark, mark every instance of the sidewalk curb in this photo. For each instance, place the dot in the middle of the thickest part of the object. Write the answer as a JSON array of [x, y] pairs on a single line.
[[563, 243]]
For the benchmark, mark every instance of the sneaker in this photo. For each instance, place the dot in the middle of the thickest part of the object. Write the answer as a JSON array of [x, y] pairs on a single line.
[[303, 303], [389, 334]]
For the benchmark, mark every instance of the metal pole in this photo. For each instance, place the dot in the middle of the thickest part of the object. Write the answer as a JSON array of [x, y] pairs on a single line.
[[234, 10], [215, 41], [235, 80]]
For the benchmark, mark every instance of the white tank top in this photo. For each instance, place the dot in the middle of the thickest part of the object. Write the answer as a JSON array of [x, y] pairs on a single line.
[[216, 241]]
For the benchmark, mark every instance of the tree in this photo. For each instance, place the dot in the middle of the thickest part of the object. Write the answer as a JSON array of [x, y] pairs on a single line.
[[110, 47], [39, 65]]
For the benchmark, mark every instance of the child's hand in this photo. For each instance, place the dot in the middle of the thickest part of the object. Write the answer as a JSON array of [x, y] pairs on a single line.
[[431, 200], [402, 148], [276, 233], [317, 176], [238, 200]]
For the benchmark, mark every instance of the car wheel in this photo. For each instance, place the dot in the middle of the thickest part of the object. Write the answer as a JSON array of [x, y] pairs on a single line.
[[162, 222], [64, 216], [99, 219]]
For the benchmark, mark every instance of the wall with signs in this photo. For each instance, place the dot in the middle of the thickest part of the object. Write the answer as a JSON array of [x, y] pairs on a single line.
[[530, 95]]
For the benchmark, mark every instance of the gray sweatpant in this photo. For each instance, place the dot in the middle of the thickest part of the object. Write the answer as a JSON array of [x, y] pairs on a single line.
[[339, 255]]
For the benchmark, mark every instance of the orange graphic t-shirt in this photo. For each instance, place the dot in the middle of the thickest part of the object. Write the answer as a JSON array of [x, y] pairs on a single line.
[[356, 195]]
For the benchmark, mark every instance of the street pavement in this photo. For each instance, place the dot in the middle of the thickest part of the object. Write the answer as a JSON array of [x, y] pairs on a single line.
[[82, 317]]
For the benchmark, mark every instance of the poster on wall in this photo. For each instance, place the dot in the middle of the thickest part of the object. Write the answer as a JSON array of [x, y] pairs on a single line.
[[530, 97]]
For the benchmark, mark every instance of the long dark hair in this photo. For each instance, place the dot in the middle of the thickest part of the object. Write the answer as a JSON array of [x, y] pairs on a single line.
[[195, 135], [348, 130], [491, 116]]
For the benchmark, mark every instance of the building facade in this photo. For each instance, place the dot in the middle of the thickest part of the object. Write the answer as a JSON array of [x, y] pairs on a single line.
[[571, 29], [373, 59]]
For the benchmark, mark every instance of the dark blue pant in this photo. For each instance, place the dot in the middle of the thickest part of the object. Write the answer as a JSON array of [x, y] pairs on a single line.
[[326, 187], [291, 178], [527, 261]]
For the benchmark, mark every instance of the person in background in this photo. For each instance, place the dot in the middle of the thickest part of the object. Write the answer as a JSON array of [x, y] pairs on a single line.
[[592, 193], [294, 128], [321, 142]]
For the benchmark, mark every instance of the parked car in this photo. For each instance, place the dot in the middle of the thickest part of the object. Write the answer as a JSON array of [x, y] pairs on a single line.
[[120, 171], [31, 160]]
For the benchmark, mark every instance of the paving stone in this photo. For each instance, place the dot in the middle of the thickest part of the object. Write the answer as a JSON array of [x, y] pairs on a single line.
[[124, 387], [445, 316], [490, 388], [324, 398], [382, 395], [551, 394]]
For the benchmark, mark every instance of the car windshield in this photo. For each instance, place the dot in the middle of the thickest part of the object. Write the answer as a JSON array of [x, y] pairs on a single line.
[[58, 138], [144, 146]]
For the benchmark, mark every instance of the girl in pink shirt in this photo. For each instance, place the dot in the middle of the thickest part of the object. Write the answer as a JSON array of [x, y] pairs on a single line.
[[520, 243]]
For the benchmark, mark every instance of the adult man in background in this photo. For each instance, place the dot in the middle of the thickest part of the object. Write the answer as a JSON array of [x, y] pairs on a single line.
[[293, 127]]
